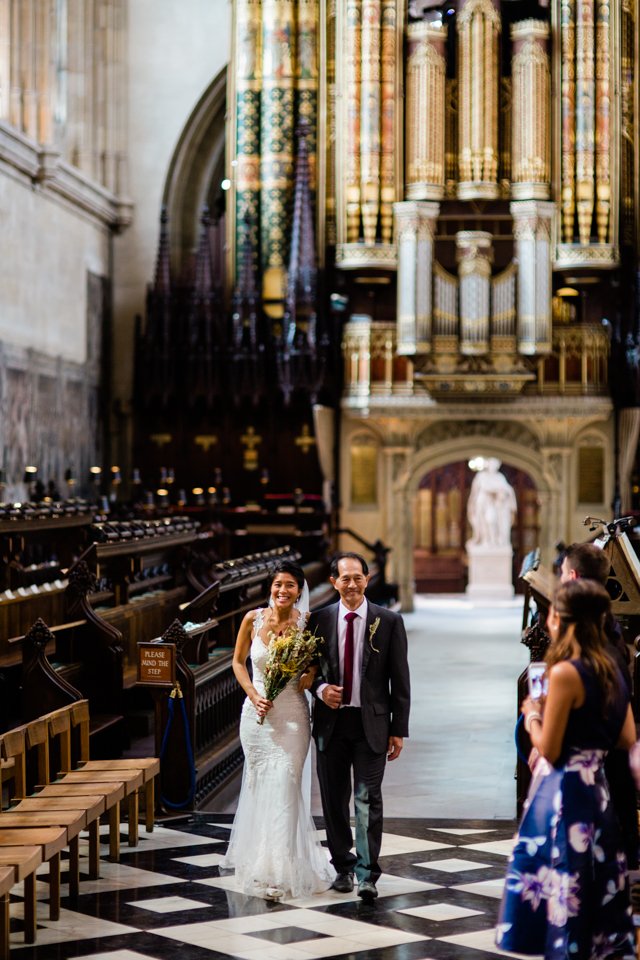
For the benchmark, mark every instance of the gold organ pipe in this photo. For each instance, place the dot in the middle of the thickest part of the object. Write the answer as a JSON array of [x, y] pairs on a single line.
[[568, 108], [388, 120], [585, 118], [603, 121], [478, 32], [627, 118], [531, 153], [370, 109], [425, 135], [353, 51], [464, 105]]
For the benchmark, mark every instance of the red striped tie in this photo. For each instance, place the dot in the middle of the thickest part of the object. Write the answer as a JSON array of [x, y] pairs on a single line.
[[347, 673]]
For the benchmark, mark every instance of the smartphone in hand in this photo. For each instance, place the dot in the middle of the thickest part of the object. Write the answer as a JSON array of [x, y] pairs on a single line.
[[538, 680]]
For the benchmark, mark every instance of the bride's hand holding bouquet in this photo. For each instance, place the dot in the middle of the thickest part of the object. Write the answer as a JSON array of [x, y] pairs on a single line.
[[291, 654]]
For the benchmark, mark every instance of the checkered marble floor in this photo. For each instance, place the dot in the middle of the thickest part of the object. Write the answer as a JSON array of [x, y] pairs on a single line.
[[438, 899]]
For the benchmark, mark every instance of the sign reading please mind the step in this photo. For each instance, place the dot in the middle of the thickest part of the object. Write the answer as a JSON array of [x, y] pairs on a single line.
[[157, 664]]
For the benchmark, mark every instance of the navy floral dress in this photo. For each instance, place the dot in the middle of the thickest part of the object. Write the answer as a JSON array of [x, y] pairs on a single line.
[[566, 892]]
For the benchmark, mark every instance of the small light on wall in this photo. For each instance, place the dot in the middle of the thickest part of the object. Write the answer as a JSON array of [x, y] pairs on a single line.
[[477, 464], [226, 184]]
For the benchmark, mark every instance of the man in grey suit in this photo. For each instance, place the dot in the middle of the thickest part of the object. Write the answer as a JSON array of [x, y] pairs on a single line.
[[361, 715]]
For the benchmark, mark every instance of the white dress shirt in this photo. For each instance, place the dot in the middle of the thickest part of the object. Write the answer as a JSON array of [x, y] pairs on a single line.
[[359, 625]]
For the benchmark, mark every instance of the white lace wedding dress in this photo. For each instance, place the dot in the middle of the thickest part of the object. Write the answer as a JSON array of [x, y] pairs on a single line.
[[273, 845]]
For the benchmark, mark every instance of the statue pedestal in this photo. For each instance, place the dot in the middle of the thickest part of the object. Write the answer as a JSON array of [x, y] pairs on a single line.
[[489, 572]]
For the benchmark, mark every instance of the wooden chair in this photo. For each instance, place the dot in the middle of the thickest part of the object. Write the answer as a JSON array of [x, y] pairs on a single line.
[[148, 766], [68, 793], [51, 841], [135, 773], [24, 861], [7, 880], [21, 829]]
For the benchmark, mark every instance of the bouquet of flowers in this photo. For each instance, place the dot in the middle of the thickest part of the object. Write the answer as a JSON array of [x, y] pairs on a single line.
[[290, 654]]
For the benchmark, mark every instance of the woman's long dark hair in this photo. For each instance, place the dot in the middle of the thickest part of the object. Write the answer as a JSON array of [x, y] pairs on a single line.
[[585, 604]]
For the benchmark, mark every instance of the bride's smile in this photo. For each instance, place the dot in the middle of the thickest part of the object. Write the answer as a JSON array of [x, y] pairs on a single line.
[[284, 591]]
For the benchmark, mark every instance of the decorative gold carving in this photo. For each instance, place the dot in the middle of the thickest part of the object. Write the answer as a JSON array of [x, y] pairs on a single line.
[[250, 441], [478, 32], [356, 256], [594, 255], [206, 441], [161, 439], [531, 152], [305, 440]]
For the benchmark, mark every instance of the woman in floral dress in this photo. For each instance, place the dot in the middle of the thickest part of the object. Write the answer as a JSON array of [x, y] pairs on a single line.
[[566, 891]]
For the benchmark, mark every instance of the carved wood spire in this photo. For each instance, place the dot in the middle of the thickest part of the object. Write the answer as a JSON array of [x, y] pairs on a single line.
[[300, 360], [247, 348]]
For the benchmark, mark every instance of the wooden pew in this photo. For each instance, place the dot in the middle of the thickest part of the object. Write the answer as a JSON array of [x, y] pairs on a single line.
[[208, 690]]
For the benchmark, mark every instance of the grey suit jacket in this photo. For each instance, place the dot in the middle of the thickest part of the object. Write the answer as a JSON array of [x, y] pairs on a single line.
[[384, 683]]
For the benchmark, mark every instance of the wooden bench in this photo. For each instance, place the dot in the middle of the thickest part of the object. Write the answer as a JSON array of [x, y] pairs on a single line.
[[22, 861]]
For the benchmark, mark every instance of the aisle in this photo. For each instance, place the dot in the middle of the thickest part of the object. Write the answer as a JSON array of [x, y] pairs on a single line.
[[439, 895], [459, 760]]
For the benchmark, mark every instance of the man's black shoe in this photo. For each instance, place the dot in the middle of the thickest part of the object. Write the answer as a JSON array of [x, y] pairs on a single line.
[[343, 883], [367, 890]]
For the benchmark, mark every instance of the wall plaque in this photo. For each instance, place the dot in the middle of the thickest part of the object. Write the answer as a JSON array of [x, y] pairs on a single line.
[[590, 475], [157, 664], [364, 474]]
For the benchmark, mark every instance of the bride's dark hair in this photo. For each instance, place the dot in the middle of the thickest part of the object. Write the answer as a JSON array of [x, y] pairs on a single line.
[[290, 567]]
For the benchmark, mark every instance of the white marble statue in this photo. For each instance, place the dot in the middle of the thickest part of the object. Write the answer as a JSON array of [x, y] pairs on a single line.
[[492, 507]]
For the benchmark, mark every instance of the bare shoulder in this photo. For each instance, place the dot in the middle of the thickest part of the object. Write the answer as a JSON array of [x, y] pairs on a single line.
[[250, 617], [564, 674]]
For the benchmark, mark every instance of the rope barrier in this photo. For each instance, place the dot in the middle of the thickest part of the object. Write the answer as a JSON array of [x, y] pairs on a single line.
[[176, 694]]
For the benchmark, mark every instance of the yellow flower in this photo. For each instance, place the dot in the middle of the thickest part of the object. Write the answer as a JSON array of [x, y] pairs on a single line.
[[372, 632]]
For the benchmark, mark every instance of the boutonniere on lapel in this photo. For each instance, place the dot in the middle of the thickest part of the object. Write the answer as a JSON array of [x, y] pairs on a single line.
[[372, 632]]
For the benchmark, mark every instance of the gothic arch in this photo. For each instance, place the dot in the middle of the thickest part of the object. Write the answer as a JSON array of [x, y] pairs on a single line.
[[439, 453], [196, 170]]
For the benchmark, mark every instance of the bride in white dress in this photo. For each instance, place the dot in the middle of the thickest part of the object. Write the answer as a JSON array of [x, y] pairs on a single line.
[[273, 848]]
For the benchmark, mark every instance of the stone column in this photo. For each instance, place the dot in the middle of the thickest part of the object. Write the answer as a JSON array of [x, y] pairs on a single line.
[[121, 187], [532, 230], [415, 223], [475, 255], [28, 68], [45, 54], [15, 90], [5, 57]]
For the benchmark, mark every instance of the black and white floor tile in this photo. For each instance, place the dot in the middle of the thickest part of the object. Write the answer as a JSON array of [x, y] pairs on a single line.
[[438, 900]]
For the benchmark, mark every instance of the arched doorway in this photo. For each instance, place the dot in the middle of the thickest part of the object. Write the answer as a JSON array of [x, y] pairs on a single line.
[[441, 529], [194, 180]]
